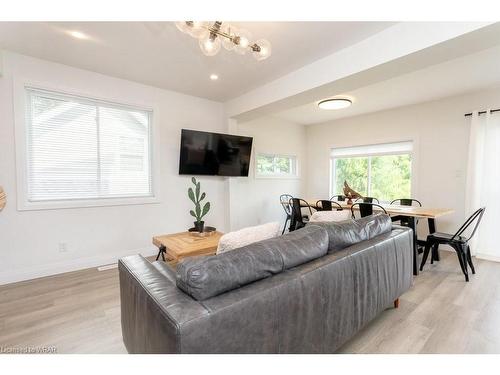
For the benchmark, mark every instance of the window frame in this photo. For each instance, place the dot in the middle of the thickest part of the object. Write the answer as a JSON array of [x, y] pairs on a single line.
[[412, 153], [277, 175], [21, 147]]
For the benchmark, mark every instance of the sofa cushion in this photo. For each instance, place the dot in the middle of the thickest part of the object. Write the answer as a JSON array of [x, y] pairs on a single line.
[[324, 216], [207, 276], [349, 232], [246, 236]]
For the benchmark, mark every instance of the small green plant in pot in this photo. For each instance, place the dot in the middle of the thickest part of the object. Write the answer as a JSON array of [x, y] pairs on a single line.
[[198, 213]]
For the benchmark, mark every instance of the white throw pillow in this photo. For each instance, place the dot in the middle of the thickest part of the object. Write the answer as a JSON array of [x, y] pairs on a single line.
[[246, 236], [330, 216]]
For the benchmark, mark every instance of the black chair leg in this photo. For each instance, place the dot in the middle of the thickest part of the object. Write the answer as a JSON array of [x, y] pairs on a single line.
[[434, 250], [426, 254], [284, 226], [469, 260], [462, 260]]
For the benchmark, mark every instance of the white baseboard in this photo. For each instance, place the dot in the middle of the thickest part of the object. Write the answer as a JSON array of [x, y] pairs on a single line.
[[35, 272], [492, 258]]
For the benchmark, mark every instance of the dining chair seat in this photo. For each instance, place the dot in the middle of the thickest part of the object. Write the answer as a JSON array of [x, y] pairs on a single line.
[[446, 237]]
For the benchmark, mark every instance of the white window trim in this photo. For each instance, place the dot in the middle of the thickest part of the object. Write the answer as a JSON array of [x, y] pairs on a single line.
[[21, 137], [293, 176], [414, 161]]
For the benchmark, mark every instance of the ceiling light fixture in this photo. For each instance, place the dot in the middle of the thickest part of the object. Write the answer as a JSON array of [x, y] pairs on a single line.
[[335, 103], [212, 35], [214, 77], [78, 35]]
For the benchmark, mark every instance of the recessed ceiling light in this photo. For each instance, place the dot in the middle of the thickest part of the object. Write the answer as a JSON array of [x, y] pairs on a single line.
[[335, 103], [214, 77], [78, 34]]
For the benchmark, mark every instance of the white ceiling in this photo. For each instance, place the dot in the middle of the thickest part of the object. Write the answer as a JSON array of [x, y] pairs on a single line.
[[466, 74], [157, 54]]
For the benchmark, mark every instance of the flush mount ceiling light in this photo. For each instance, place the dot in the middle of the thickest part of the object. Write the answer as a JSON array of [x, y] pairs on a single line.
[[78, 34], [214, 77], [335, 103], [212, 35]]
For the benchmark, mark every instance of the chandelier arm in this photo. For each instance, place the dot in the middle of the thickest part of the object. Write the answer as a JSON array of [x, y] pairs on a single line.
[[216, 30]]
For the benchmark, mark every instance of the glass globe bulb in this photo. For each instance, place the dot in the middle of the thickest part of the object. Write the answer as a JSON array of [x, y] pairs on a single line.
[[232, 32], [183, 26], [264, 50], [199, 29], [243, 41], [209, 45]]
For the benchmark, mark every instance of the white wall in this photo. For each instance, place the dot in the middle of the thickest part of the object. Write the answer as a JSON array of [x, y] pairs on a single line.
[[29, 240], [254, 200], [441, 135]]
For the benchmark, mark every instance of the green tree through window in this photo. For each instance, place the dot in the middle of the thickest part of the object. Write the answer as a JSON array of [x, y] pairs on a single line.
[[385, 177], [276, 165]]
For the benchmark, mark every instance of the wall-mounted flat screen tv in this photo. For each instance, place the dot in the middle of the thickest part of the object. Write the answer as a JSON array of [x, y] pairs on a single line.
[[214, 154]]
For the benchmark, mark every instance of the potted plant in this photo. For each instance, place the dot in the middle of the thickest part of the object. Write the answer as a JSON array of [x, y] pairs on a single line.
[[196, 198]]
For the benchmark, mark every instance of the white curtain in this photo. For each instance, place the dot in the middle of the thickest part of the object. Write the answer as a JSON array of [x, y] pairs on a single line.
[[483, 182]]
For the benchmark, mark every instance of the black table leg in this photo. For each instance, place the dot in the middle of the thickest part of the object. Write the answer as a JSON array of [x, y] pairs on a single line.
[[161, 251], [432, 228], [412, 223]]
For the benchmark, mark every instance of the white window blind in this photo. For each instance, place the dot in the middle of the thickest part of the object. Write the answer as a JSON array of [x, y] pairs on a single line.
[[377, 149], [81, 148]]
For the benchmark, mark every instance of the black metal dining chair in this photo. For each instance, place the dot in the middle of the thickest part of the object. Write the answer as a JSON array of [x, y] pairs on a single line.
[[367, 200], [407, 202], [457, 241], [298, 219], [327, 205], [285, 203], [338, 198], [366, 209]]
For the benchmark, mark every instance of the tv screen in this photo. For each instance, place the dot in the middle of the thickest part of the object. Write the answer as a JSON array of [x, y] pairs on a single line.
[[214, 154]]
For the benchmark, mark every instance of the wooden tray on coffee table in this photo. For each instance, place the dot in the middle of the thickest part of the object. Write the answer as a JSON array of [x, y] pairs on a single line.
[[174, 247]]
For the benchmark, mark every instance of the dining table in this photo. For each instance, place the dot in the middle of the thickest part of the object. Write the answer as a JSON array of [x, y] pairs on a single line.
[[411, 214]]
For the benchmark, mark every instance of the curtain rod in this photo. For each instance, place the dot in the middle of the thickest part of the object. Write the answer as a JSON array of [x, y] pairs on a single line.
[[483, 112]]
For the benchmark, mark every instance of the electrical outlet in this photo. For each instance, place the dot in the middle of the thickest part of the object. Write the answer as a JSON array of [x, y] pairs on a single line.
[[63, 247]]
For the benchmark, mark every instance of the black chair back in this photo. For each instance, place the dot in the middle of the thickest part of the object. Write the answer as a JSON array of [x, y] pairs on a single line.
[[407, 202], [327, 205], [476, 216], [298, 221], [285, 203], [339, 198], [367, 200], [366, 209]]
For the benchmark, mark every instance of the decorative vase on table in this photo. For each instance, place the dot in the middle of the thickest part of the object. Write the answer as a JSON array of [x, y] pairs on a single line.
[[198, 213]]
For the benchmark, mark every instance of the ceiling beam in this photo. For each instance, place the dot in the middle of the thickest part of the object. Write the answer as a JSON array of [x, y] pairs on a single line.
[[408, 45]]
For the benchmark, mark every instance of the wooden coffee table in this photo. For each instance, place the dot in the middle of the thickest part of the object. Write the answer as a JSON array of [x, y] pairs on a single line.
[[174, 247]]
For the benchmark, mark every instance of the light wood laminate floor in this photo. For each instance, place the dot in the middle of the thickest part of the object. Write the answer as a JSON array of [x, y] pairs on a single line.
[[79, 312]]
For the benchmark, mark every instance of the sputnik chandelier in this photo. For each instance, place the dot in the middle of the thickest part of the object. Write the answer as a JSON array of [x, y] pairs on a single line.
[[212, 35]]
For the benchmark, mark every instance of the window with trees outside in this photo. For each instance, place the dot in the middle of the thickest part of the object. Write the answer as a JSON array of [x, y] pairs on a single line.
[[382, 171], [268, 165]]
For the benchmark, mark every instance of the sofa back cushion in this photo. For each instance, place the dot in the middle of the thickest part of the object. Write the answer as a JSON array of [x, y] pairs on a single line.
[[347, 233], [246, 236], [208, 276]]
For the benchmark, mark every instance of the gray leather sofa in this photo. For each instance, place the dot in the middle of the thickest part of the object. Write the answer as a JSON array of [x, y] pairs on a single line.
[[308, 291]]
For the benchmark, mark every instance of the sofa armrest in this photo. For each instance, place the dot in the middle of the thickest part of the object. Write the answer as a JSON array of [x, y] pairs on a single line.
[[153, 309]]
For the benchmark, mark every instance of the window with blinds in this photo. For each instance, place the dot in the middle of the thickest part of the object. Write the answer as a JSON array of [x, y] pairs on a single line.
[[81, 148]]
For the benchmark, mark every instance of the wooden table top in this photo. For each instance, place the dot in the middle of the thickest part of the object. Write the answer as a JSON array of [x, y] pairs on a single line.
[[393, 209], [185, 244]]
